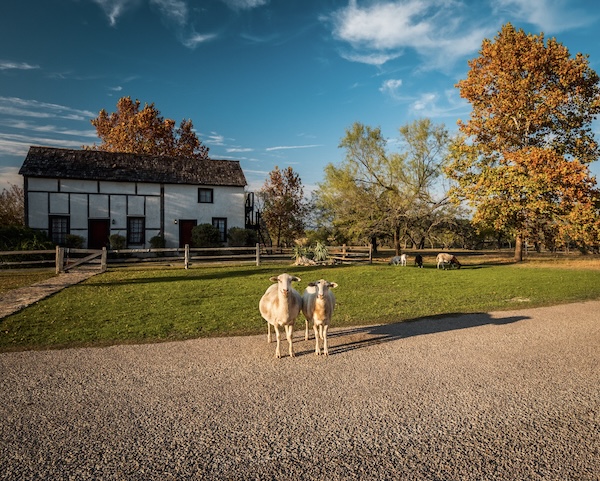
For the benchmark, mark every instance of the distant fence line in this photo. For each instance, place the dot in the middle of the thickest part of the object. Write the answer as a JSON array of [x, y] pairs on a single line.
[[65, 258]]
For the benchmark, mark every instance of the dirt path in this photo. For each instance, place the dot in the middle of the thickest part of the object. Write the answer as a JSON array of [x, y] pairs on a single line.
[[487, 396], [16, 299]]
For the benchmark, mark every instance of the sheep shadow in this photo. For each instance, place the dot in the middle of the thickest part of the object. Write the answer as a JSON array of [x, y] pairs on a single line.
[[349, 339]]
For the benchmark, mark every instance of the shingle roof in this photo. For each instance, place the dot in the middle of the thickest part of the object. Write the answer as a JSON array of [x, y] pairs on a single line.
[[122, 167]]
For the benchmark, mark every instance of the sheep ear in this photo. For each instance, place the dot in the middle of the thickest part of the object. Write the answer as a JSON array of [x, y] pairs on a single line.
[[333, 285], [274, 279], [312, 284], [296, 279]]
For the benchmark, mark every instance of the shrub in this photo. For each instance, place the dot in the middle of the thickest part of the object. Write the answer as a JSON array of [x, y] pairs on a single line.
[[19, 238], [157, 242], [74, 241], [206, 235], [239, 237], [117, 242]]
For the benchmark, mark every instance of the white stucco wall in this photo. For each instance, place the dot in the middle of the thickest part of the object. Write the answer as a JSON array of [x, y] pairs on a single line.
[[84, 200], [181, 202]]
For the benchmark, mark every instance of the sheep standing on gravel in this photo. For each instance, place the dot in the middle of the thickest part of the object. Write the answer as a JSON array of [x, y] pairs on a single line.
[[318, 303], [280, 305]]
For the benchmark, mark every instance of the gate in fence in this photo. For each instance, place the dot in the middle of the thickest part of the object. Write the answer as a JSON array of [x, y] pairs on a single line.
[[64, 262]]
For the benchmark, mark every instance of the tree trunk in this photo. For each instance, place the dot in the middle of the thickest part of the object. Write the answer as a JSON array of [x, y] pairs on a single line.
[[374, 244], [519, 248], [397, 240]]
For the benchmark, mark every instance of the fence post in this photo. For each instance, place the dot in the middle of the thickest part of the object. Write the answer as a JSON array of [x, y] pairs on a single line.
[[103, 260], [370, 253], [186, 257], [60, 259], [344, 252], [257, 254]]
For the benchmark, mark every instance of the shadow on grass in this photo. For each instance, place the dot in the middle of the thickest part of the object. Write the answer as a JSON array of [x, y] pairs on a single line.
[[213, 274], [357, 338]]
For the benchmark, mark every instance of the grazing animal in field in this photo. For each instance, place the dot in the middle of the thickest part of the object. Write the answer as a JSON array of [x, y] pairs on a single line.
[[398, 260], [318, 303], [419, 260], [443, 258], [280, 305]]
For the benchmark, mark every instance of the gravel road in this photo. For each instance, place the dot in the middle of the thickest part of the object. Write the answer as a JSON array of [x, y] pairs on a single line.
[[499, 396]]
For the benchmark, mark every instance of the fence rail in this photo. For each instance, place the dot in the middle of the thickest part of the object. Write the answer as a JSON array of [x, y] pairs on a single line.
[[66, 259]]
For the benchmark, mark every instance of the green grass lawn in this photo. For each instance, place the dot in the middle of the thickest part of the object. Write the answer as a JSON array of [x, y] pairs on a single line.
[[135, 305], [15, 278]]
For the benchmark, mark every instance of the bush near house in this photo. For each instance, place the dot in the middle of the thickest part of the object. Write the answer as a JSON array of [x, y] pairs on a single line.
[[239, 237], [206, 235]]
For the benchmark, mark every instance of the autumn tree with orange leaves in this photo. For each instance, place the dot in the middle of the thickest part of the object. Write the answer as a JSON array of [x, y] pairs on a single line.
[[145, 131], [284, 208], [522, 158]]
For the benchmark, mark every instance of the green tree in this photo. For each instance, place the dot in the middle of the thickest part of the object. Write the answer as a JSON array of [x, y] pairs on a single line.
[[522, 159], [284, 208], [145, 131], [374, 193]]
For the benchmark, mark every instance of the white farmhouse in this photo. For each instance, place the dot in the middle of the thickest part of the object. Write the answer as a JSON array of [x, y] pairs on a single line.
[[95, 194]]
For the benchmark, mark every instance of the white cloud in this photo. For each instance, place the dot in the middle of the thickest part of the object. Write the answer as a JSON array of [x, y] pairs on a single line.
[[54, 129], [113, 9], [381, 31], [386, 25], [194, 40], [238, 149], [288, 147], [32, 108], [244, 4], [373, 58], [391, 87], [214, 139], [548, 15], [175, 10], [8, 65], [434, 105]]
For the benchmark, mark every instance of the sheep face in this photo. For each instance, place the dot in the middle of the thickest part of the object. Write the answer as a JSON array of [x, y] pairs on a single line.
[[322, 287], [284, 283]]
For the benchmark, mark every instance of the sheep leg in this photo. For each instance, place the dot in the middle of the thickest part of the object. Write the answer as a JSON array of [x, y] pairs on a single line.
[[306, 330], [278, 337], [325, 350], [269, 338], [289, 332], [317, 349]]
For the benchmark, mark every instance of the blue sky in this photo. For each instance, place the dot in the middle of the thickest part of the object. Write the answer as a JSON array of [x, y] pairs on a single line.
[[265, 82]]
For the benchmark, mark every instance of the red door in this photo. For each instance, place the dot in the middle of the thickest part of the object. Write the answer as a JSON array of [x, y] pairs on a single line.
[[98, 233], [185, 231]]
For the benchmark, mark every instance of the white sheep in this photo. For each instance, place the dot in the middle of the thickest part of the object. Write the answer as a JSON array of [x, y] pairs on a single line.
[[280, 305], [444, 258], [398, 260], [318, 303]]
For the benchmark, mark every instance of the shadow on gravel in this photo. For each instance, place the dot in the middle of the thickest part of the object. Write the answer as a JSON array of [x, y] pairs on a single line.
[[361, 337]]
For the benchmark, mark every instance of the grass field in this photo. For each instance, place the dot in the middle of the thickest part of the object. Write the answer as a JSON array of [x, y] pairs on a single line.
[[133, 305]]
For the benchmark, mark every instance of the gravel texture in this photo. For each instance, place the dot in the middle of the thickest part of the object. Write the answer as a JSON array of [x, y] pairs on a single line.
[[500, 396]]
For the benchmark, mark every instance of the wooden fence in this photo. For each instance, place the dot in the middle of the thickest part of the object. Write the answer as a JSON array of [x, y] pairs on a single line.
[[65, 259]]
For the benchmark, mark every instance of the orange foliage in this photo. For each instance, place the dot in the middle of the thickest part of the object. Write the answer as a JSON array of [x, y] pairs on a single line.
[[522, 159], [145, 131]]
